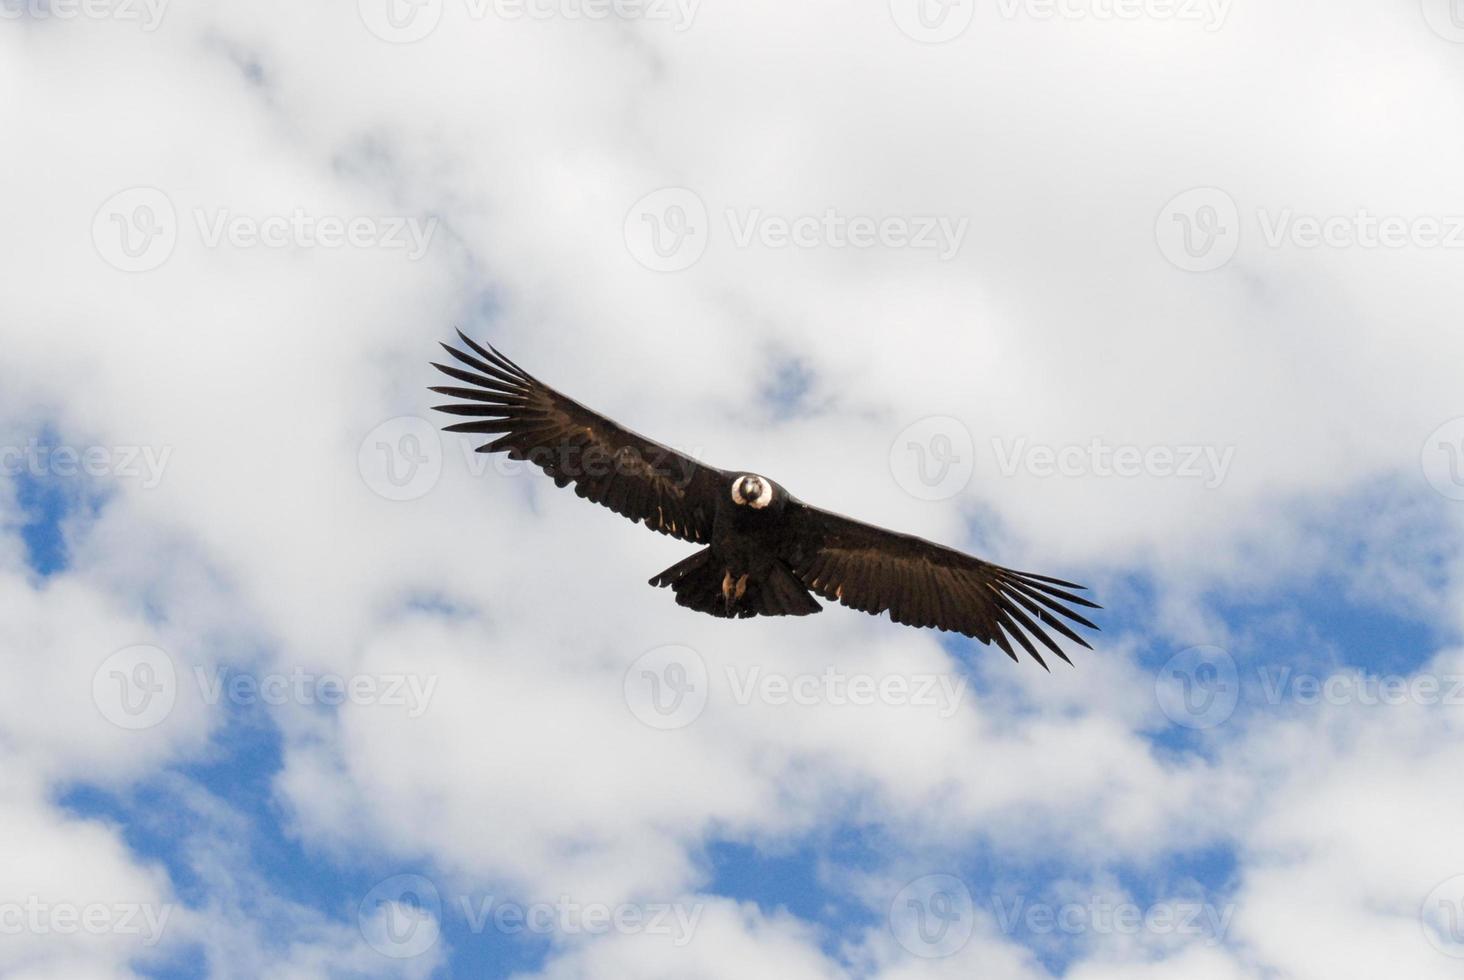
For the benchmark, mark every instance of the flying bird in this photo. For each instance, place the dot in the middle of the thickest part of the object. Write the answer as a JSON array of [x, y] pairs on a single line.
[[766, 552]]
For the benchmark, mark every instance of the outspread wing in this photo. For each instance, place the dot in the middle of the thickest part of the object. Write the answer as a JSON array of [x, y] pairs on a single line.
[[924, 584], [607, 463]]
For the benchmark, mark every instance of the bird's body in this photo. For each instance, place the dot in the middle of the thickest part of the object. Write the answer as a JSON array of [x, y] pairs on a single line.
[[744, 565], [765, 552]]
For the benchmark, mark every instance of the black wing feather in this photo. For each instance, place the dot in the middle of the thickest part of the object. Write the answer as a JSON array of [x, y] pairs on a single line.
[[607, 463], [921, 583]]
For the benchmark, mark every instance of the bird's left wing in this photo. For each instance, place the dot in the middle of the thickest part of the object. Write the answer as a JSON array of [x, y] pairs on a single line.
[[925, 584], [607, 463]]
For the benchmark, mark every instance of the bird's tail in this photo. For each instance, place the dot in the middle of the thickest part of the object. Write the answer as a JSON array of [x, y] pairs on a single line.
[[704, 582]]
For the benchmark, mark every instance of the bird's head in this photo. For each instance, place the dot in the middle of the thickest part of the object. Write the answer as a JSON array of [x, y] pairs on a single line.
[[751, 490]]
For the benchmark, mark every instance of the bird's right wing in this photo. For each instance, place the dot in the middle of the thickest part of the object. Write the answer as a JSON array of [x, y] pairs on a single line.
[[925, 584], [607, 463]]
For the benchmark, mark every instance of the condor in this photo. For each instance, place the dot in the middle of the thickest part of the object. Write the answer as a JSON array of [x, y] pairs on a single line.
[[766, 552]]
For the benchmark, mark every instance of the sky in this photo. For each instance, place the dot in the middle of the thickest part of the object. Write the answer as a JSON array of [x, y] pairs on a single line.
[[1159, 296]]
